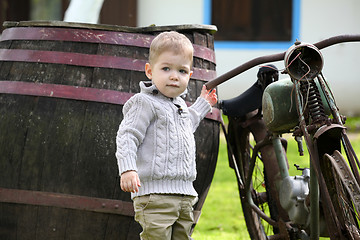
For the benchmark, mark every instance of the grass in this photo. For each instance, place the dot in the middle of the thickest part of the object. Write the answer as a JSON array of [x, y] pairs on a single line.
[[222, 216]]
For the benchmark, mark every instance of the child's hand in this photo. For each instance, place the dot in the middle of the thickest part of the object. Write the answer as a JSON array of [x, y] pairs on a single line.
[[130, 181], [209, 95]]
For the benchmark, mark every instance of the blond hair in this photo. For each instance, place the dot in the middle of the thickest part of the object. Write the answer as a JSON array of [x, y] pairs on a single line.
[[170, 41]]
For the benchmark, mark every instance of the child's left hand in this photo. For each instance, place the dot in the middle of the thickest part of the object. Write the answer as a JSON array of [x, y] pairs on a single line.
[[209, 95]]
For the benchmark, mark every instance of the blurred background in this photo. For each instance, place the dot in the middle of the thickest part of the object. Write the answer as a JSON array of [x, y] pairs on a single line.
[[246, 29]]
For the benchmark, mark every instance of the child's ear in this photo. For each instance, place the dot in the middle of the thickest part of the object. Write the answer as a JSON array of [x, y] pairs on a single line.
[[148, 71]]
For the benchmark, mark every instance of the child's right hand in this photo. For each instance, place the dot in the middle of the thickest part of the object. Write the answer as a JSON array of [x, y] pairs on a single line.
[[130, 182], [209, 95]]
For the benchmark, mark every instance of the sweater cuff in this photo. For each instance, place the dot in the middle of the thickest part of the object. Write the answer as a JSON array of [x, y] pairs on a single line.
[[125, 166], [202, 106]]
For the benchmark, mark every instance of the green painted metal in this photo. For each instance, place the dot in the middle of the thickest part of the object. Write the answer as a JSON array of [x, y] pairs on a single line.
[[279, 109]]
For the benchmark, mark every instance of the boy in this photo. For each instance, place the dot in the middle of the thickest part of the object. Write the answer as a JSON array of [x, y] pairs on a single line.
[[155, 141]]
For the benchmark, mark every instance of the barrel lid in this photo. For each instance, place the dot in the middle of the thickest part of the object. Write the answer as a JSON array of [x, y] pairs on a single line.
[[152, 28]]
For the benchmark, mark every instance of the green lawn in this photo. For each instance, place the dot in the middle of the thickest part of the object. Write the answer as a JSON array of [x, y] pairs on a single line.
[[221, 216]]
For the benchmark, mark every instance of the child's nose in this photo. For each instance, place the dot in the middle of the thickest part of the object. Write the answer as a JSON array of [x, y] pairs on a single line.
[[174, 75]]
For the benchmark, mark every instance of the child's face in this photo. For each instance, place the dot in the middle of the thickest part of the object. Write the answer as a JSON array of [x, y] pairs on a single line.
[[170, 73]]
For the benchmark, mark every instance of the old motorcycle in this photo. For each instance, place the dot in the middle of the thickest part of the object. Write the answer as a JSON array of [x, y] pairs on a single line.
[[324, 199]]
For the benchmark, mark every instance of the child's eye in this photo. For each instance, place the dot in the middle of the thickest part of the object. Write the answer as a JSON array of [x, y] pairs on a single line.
[[165, 68], [183, 71]]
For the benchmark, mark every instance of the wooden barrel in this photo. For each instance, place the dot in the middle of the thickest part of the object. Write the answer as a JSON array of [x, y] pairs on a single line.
[[62, 88]]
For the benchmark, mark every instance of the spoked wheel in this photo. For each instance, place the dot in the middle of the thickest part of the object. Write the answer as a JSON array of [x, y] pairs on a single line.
[[258, 228], [344, 192], [260, 188]]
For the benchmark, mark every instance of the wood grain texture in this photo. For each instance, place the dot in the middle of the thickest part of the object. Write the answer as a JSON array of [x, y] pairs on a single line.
[[66, 145]]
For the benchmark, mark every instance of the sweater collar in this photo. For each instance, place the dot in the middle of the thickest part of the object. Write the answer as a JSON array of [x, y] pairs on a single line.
[[150, 88]]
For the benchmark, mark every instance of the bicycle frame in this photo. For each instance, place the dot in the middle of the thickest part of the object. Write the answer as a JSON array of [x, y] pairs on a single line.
[[323, 138]]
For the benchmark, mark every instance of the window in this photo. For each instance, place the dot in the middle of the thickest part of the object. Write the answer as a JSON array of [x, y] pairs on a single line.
[[256, 22]]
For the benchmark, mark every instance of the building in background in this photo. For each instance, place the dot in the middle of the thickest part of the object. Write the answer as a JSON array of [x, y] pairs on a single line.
[[246, 29], [117, 12]]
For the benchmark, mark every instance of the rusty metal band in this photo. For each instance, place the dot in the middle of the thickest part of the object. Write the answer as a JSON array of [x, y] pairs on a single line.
[[88, 60], [50, 199], [76, 93], [92, 36], [75, 202], [64, 91]]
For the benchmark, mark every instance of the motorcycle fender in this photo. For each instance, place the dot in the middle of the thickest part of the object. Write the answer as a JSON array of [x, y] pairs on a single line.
[[334, 131], [328, 139]]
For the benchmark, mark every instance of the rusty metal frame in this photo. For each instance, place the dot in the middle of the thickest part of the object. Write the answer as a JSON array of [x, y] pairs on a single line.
[[277, 57]]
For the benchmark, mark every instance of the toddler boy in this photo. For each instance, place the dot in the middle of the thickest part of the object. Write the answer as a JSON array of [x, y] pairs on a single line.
[[155, 141]]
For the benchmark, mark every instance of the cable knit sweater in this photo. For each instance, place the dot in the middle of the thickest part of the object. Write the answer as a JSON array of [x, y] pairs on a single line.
[[156, 139]]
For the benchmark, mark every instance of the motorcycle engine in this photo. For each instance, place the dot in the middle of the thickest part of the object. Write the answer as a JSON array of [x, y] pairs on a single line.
[[294, 191]]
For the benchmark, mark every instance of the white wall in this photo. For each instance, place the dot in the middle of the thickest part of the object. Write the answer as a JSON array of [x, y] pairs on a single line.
[[319, 19], [341, 61], [169, 12]]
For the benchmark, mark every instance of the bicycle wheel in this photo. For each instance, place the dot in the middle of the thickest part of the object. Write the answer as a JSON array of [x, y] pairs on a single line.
[[344, 192], [259, 229]]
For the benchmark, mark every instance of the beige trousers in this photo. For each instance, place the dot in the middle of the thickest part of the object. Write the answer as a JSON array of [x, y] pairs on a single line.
[[165, 216]]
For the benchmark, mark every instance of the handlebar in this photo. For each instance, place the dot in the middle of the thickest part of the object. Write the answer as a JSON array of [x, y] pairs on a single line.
[[277, 57]]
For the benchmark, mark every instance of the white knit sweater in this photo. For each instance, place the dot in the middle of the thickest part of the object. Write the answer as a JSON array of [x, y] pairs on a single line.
[[156, 139]]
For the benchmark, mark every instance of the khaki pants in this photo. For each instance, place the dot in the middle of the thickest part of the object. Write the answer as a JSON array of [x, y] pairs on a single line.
[[164, 216]]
